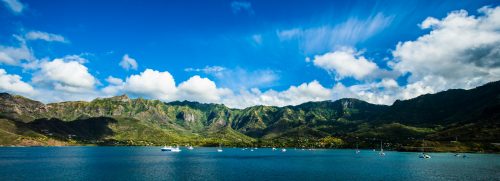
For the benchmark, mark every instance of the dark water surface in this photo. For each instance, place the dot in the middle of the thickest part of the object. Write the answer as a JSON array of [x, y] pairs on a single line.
[[149, 163]]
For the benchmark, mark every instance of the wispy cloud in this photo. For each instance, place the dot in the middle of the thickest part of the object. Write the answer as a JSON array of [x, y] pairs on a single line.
[[207, 69], [242, 6], [14, 5], [238, 78], [11, 55], [324, 38], [39, 35], [257, 39]]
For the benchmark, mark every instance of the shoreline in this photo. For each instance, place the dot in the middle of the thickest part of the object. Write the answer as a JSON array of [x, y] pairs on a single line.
[[288, 148]]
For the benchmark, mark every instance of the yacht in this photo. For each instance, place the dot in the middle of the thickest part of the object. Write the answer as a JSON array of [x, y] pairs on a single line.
[[166, 148]]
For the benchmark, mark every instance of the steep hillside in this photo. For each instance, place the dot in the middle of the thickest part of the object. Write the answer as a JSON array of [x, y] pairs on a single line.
[[467, 115]]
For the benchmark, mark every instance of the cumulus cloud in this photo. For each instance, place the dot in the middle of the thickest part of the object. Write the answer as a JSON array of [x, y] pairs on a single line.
[[161, 85], [242, 6], [312, 91], [12, 83], [201, 90], [151, 84], [460, 51], [128, 63], [64, 75], [38, 35], [14, 5], [346, 63]]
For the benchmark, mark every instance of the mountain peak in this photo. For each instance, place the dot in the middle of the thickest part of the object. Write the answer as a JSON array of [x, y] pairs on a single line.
[[122, 97], [5, 95]]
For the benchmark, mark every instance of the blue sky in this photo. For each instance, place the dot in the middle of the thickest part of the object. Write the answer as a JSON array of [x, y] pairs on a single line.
[[245, 52]]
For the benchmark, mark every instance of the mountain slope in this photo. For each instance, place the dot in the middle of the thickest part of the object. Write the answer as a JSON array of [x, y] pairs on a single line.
[[442, 116]]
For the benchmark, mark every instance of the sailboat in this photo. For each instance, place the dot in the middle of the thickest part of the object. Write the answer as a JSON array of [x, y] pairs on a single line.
[[381, 153], [357, 149], [220, 148], [190, 147], [424, 155]]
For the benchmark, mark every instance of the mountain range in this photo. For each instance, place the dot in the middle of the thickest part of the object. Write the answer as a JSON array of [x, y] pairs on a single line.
[[452, 120]]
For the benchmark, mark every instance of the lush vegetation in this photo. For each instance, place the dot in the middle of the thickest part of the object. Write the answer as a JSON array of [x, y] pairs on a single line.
[[453, 120]]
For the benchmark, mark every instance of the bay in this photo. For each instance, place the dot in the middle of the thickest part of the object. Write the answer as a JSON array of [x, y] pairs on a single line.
[[149, 163]]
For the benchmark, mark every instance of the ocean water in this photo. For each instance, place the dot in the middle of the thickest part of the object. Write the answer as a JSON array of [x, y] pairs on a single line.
[[149, 163]]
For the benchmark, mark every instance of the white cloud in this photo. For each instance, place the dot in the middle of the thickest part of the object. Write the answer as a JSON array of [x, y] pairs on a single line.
[[38, 35], [12, 83], [151, 84], [324, 38], [238, 78], [15, 55], [289, 34], [128, 63], [64, 75], [242, 6], [201, 90], [14, 5], [207, 69], [460, 51], [294, 95], [346, 63], [114, 81], [257, 39]]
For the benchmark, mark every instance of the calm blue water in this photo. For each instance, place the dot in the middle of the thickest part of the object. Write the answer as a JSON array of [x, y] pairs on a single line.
[[149, 163]]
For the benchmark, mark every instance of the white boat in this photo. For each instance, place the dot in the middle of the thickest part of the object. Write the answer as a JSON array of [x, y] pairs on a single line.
[[176, 149], [166, 148], [381, 153], [190, 148], [274, 149], [283, 150], [357, 149], [251, 149], [425, 156], [219, 149]]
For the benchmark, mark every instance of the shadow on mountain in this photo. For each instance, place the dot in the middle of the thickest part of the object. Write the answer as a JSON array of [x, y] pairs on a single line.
[[89, 129]]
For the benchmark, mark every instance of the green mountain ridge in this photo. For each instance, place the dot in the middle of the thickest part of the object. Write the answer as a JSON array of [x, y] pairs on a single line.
[[471, 116]]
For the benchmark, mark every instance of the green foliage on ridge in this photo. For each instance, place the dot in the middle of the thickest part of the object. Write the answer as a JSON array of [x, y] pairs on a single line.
[[468, 115]]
